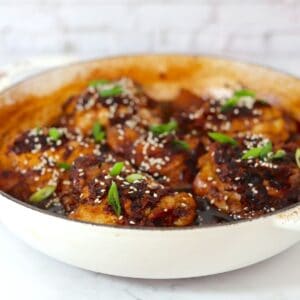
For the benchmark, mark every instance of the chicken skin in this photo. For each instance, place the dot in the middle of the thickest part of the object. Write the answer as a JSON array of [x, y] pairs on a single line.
[[239, 182], [247, 115], [125, 114], [38, 158], [143, 201]]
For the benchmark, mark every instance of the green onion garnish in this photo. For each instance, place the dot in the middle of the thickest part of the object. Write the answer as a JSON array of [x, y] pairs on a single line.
[[244, 93], [134, 177], [42, 194], [99, 82], [252, 153], [113, 198], [222, 138], [98, 132], [234, 100], [116, 169], [230, 103], [164, 128], [114, 91], [279, 154], [258, 152], [54, 134], [265, 150], [64, 165], [297, 157], [181, 145]]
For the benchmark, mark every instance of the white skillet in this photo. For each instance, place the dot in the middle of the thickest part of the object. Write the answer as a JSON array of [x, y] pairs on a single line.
[[156, 252]]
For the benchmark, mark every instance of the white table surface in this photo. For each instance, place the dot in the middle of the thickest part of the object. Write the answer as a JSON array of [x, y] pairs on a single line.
[[28, 274]]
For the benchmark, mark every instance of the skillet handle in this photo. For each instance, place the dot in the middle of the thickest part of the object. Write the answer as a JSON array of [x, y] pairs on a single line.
[[289, 220]]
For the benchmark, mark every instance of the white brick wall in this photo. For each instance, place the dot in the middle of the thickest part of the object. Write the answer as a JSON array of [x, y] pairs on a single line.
[[265, 31]]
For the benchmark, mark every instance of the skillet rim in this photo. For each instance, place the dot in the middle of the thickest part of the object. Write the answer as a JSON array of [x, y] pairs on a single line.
[[144, 228]]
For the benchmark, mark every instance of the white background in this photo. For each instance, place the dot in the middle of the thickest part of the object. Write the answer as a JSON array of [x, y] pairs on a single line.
[[264, 31]]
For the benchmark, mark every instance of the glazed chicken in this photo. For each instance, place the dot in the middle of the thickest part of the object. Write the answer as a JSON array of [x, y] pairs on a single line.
[[239, 113], [76, 156], [125, 113], [86, 194], [246, 180], [115, 156], [164, 156], [38, 158]]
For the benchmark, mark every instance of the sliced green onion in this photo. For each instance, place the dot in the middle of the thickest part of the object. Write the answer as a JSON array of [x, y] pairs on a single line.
[[164, 128], [279, 154], [54, 134], [252, 153], [297, 157], [99, 82], [265, 150], [230, 103], [98, 132], [181, 144], [64, 165], [234, 100], [258, 152], [222, 138], [116, 169], [114, 91], [42, 194], [113, 198], [134, 177], [245, 93]]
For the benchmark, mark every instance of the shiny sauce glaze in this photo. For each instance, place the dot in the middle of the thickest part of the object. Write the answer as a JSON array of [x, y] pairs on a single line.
[[116, 156]]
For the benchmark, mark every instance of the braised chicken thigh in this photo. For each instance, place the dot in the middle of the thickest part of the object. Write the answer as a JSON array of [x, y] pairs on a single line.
[[116, 156]]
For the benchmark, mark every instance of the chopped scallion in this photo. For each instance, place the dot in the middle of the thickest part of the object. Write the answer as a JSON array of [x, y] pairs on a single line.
[[113, 198], [97, 83], [134, 177], [98, 132], [111, 92], [183, 145], [116, 169], [164, 128], [64, 165], [252, 153], [258, 152], [222, 138], [54, 134], [234, 100], [265, 150], [244, 93], [42, 194], [279, 154]]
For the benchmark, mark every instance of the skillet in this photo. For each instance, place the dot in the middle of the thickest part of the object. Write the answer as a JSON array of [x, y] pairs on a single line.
[[147, 252]]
